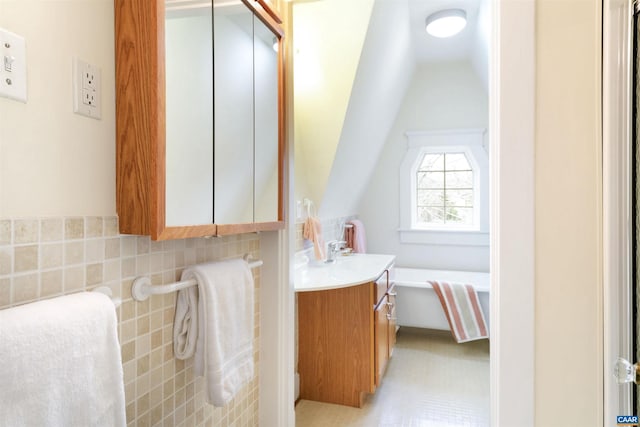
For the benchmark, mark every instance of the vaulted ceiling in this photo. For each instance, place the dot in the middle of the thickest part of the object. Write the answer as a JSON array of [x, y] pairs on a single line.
[[471, 44], [394, 43]]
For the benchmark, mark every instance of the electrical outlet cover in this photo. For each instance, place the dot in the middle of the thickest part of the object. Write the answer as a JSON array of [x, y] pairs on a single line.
[[86, 89]]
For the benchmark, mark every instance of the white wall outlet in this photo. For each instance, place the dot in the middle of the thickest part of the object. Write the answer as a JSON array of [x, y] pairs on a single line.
[[13, 66], [86, 89]]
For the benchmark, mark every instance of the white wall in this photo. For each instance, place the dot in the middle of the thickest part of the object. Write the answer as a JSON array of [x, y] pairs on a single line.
[[444, 96], [383, 77], [328, 39], [52, 161], [568, 180], [480, 50]]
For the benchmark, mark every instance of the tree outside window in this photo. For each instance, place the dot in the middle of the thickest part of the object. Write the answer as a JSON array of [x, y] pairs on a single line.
[[444, 190]]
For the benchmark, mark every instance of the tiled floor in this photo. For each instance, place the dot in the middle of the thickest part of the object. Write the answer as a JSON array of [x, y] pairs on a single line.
[[430, 381]]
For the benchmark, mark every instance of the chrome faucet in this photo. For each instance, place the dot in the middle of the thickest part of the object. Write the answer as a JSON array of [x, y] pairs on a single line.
[[334, 247]]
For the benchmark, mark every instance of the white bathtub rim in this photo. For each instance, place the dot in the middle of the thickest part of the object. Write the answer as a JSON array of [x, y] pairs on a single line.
[[407, 277]]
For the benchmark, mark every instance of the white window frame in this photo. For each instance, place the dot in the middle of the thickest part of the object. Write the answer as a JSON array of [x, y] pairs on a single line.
[[467, 141], [415, 225]]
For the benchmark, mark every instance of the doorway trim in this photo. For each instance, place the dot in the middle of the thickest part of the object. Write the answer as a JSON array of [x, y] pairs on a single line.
[[512, 136], [512, 149], [616, 121]]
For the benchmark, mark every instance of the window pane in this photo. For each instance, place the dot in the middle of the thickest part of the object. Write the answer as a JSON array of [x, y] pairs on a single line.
[[459, 179], [432, 162], [430, 179], [463, 198], [459, 216], [431, 198], [456, 162], [444, 190], [431, 215]]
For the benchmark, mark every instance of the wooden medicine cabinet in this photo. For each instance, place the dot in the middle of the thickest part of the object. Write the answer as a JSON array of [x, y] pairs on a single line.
[[199, 117]]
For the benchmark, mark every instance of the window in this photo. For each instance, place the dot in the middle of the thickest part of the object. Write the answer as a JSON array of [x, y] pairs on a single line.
[[444, 190]]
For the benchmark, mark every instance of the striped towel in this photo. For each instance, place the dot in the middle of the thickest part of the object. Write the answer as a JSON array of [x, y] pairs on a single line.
[[462, 308]]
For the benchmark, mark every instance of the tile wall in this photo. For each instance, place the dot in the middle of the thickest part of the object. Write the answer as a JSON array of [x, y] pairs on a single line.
[[47, 257]]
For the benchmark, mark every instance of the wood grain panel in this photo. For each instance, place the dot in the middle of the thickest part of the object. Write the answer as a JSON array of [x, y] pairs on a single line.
[[382, 285], [270, 11], [137, 111], [382, 339], [187, 232], [282, 128], [336, 344], [141, 128]]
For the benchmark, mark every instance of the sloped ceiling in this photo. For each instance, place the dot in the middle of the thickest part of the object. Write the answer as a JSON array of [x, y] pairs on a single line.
[[384, 73], [328, 40], [341, 128]]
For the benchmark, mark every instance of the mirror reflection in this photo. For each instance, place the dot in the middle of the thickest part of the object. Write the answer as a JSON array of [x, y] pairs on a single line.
[[189, 107], [222, 116], [233, 100], [266, 123]]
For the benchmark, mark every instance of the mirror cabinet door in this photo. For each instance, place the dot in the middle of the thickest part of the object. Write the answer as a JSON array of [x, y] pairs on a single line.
[[266, 152], [222, 116], [233, 114], [199, 117], [189, 115]]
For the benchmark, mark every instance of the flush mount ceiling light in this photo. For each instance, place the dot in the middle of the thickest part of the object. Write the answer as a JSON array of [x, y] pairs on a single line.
[[446, 23]]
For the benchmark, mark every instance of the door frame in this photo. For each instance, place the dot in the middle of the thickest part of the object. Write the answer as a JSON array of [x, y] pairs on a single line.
[[512, 168], [616, 118], [512, 242]]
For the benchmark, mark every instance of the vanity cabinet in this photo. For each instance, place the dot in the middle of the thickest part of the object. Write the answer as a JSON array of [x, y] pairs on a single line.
[[199, 117], [385, 330], [345, 339]]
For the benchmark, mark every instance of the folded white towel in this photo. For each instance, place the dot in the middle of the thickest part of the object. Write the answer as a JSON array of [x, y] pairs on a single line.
[[60, 363], [224, 348], [185, 324]]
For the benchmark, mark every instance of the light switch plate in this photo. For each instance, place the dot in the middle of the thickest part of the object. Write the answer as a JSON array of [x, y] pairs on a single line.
[[87, 89], [13, 66]]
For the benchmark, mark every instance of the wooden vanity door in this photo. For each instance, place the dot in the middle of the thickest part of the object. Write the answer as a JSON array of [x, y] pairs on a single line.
[[336, 344], [392, 317], [382, 339]]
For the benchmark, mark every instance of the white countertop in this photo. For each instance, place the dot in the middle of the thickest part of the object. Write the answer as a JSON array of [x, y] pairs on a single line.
[[347, 271]]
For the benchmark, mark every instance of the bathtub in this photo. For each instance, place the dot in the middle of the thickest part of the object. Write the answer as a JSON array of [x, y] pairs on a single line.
[[417, 304]]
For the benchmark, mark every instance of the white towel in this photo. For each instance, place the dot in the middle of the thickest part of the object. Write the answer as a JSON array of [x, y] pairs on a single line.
[[224, 347], [185, 323], [60, 363]]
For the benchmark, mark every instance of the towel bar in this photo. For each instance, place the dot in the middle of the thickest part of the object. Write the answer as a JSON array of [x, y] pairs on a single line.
[[143, 289], [108, 292]]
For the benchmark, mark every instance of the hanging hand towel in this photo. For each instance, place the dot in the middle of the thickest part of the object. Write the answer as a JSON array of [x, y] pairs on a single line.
[[462, 309], [224, 347], [61, 363], [312, 230], [185, 324], [356, 237]]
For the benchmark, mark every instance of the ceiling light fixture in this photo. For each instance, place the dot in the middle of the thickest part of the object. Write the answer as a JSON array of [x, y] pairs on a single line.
[[446, 23]]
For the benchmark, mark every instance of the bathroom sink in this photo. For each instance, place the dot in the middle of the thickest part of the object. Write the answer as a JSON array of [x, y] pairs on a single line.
[[348, 270]]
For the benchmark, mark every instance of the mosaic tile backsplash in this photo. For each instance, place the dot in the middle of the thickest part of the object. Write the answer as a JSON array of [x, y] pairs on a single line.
[[46, 257]]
